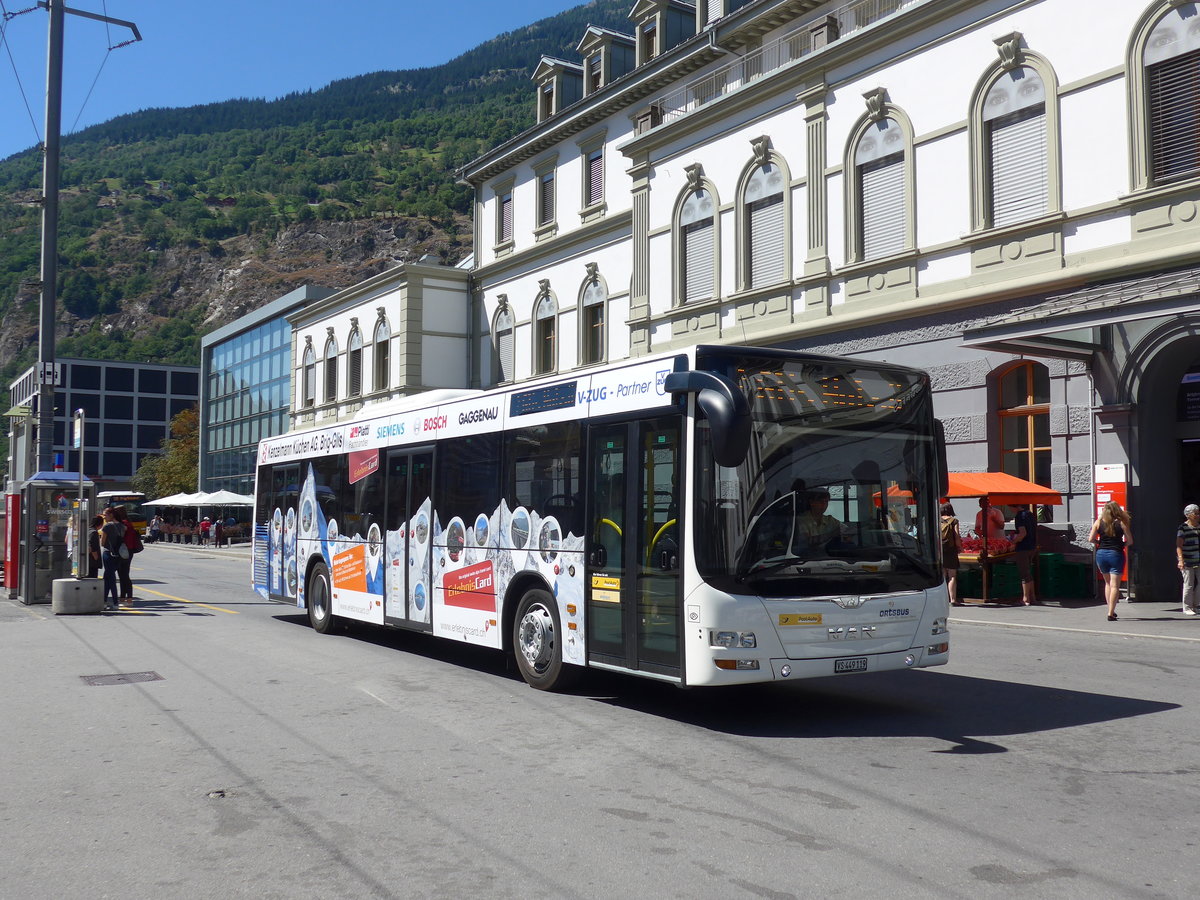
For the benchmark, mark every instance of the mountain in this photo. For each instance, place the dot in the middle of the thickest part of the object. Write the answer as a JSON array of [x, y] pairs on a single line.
[[176, 221]]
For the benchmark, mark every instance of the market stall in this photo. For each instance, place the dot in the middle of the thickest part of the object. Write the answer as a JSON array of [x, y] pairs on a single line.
[[995, 489]]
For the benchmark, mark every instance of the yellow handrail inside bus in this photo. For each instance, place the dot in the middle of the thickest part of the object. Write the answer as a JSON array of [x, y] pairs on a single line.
[[658, 534]]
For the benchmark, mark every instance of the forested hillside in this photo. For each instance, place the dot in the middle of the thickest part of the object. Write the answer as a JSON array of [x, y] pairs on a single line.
[[174, 221]]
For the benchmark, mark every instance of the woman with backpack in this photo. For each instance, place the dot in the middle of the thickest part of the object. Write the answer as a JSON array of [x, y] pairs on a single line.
[[112, 539], [121, 517], [951, 545]]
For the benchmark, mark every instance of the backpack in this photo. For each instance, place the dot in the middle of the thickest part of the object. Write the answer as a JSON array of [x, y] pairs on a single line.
[[948, 530], [132, 539]]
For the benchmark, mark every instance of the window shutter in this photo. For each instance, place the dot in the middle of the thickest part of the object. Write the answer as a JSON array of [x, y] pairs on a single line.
[[310, 383], [504, 346], [1019, 175], [766, 240], [595, 192], [546, 213], [1173, 93], [698, 261], [882, 213], [506, 218]]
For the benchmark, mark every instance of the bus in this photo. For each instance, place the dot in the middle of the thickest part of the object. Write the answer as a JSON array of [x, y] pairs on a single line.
[[717, 516], [132, 501]]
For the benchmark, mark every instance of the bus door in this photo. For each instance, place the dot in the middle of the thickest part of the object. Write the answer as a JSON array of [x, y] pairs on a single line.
[[633, 602], [407, 588], [281, 546]]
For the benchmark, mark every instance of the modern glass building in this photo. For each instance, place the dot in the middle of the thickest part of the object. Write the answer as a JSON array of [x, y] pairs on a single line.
[[246, 390]]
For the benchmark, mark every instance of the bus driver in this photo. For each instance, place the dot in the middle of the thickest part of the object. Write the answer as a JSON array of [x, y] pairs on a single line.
[[815, 528]]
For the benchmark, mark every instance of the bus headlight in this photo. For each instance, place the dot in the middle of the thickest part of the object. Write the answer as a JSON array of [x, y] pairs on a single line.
[[941, 625], [730, 639]]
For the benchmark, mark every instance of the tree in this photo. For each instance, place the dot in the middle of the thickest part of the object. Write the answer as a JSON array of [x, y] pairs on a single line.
[[176, 469]]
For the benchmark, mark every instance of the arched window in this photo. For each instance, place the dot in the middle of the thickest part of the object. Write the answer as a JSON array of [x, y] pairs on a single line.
[[545, 334], [697, 234], [1015, 151], [383, 349], [354, 352], [881, 185], [1171, 61], [766, 226], [592, 302], [1024, 420], [331, 372], [309, 389], [505, 346]]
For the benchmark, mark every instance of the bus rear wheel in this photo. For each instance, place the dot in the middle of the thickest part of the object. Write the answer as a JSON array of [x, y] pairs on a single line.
[[537, 643], [318, 596]]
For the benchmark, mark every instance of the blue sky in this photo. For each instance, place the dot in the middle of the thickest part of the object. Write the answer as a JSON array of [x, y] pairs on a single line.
[[200, 51]]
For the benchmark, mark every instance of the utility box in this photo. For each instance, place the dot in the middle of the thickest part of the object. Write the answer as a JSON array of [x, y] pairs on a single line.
[[76, 596], [54, 525]]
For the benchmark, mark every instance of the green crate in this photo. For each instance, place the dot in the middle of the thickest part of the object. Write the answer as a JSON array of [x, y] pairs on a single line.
[[970, 582]]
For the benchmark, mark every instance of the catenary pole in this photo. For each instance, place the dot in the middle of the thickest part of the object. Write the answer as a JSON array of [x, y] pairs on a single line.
[[49, 265], [50, 182]]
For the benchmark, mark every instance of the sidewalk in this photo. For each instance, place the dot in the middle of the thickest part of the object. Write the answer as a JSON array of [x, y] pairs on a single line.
[[1154, 619]]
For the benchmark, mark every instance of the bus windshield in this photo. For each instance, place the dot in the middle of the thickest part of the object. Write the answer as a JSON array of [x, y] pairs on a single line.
[[834, 496]]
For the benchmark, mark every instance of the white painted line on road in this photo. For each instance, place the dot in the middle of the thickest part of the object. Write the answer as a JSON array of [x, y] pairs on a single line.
[[1157, 637]]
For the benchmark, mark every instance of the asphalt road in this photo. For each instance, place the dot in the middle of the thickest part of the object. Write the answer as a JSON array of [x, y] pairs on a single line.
[[269, 761]]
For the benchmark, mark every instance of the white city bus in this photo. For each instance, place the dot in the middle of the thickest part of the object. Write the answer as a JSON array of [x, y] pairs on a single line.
[[722, 515]]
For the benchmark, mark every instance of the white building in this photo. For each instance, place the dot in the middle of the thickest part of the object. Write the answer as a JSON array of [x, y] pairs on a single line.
[[1002, 192]]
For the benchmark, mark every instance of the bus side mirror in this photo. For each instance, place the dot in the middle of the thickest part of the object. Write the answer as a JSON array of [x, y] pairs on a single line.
[[725, 407]]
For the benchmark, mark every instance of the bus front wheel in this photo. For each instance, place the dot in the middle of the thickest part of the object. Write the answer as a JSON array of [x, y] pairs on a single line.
[[318, 596], [537, 643]]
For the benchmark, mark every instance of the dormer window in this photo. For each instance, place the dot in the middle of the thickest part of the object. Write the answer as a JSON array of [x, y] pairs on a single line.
[[594, 68], [648, 41], [546, 101]]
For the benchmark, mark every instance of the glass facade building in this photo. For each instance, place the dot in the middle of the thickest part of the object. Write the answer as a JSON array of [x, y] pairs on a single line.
[[246, 396]]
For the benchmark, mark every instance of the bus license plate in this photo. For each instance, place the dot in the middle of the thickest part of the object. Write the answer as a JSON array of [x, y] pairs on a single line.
[[850, 664]]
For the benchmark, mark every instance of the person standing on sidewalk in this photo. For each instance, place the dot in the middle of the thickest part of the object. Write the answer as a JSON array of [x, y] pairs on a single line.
[[112, 538], [1025, 539], [951, 545], [1187, 551], [1113, 532]]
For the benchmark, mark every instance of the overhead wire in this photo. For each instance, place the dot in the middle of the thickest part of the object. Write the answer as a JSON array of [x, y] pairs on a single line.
[[9, 16]]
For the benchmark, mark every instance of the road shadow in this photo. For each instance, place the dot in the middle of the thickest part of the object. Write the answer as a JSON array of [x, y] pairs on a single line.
[[958, 709], [967, 713]]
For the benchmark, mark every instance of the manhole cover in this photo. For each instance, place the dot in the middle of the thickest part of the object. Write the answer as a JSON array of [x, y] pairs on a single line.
[[125, 678]]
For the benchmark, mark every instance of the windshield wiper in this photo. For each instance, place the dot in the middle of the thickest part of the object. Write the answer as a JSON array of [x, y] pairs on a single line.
[[767, 566], [913, 560]]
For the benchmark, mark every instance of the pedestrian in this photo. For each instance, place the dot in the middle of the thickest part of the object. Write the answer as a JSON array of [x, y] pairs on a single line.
[[156, 525], [1113, 533], [112, 538], [1187, 551], [989, 521], [951, 545], [121, 516], [93, 568], [1025, 540], [218, 531], [205, 531]]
